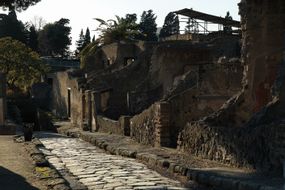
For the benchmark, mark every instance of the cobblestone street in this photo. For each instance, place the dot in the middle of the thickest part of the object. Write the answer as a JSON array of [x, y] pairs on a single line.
[[98, 170]]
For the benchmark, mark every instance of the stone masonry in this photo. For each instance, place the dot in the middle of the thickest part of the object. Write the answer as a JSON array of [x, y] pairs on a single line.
[[248, 130], [98, 170]]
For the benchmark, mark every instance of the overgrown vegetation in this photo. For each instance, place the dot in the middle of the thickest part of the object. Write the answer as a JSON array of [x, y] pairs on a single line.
[[20, 64], [18, 4], [87, 55]]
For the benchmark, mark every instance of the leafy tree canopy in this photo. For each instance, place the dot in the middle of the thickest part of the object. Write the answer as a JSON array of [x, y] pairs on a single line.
[[148, 26], [54, 39], [33, 38], [119, 29], [22, 66], [18, 5], [10, 26], [170, 26], [87, 55]]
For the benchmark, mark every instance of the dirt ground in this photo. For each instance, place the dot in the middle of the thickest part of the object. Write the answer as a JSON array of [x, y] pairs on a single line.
[[16, 167]]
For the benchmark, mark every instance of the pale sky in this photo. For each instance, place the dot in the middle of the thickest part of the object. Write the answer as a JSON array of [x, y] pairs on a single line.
[[81, 12]]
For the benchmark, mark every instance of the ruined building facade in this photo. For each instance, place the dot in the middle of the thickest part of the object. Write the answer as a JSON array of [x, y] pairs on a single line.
[[249, 130], [185, 94]]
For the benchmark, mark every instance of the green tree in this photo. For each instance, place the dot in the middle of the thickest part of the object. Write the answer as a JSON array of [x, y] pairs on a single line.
[[10, 26], [93, 39], [22, 66], [87, 38], [54, 39], [83, 41], [148, 26], [117, 30], [170, 26], [18, 4], [79, 43], [33, 39]]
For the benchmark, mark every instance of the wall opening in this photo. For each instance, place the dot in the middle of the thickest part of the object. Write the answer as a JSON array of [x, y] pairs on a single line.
[[50, 81], [128, 60], [69, 102]]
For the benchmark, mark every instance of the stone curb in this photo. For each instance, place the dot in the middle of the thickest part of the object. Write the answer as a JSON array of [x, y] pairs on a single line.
[[46, 173], [201, 177]]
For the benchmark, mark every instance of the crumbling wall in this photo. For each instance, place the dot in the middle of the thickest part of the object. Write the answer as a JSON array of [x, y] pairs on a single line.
[[152, 126], [106, 125], [173, 59], [119, 127], [111, 56], [253, 148], [247, 130], [263, 46], [142, 126], [121, 82]]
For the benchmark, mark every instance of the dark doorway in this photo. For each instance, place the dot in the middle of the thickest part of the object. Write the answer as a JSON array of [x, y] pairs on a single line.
[[50, 81], [69, 102]]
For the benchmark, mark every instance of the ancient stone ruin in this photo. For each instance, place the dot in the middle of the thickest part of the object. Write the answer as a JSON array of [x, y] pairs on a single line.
[[201, 94]]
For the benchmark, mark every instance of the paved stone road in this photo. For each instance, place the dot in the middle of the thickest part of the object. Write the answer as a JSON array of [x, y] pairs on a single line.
[[98, 170]]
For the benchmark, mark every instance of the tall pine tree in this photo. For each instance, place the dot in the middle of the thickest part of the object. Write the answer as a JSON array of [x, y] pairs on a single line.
[[87, 38], [33, 39], [148, 26], [83, 41], [80, 43], [170, 26]]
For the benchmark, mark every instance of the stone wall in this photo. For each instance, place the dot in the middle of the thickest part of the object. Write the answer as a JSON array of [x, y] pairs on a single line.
[[120, 127], [112, 56], [120, 82], [3, 107], [256, 148], [142, 126], [106, 125], [249, 130], [152, 126], [173, 59], [263, 46]]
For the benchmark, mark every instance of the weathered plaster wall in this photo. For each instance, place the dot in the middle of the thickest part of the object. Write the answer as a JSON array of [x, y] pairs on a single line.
[[62, 81], [263, 46]]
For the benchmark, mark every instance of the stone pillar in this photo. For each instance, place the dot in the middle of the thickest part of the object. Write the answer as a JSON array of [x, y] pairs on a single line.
[[88, 109], [83, 110], [97, 99], [2, 99], [125, 125], [162, 124], [94, 97]]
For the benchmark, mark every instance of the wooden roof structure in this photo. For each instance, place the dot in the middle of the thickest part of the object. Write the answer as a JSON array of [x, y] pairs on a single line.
[[207, 17]]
